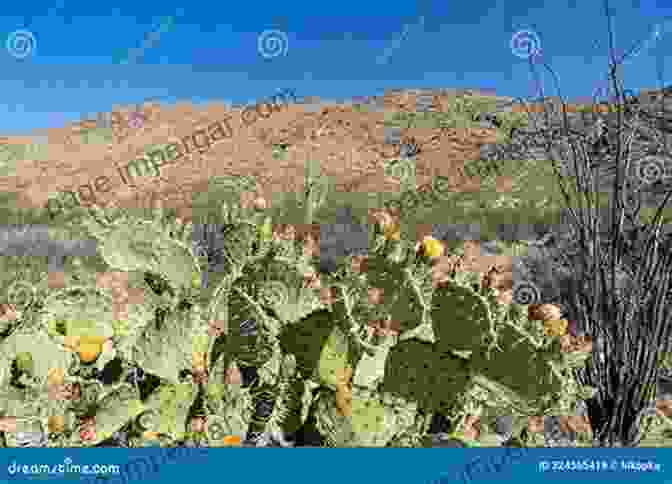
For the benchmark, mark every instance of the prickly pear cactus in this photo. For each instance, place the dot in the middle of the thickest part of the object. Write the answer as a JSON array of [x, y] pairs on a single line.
[[461, 317], [34, 353], [167, 408], [294, 397], [117, 407], [375, 419], [521, 361], [334, 358], [168, 347], [306, 340], [402, 288], [86, 313], [160, 245], [228, 406], [425, 373]]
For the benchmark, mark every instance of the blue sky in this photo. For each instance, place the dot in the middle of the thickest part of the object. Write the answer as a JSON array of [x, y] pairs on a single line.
[[210, 51]]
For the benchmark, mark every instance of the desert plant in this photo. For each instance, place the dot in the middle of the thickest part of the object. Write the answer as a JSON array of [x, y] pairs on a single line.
[[619, 288]]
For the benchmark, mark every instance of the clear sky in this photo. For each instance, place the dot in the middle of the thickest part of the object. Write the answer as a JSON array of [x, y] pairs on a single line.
[[209, 50]]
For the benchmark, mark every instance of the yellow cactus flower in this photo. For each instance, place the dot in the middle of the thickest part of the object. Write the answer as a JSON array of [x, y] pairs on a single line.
[[555, 327], [432, 248], [94, 340], [88, 352]]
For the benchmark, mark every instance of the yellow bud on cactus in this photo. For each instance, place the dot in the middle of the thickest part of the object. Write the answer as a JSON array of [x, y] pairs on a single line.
[[392, 231], [432, 248]]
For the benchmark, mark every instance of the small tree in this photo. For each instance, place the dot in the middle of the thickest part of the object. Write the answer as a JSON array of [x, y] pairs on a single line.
[[621, 269]]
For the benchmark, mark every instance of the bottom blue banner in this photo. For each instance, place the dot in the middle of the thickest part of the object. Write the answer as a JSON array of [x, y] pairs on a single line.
[[310, 465]]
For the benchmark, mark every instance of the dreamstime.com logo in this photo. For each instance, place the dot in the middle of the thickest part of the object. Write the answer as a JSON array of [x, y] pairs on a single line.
[[36, 471], [147, 466]]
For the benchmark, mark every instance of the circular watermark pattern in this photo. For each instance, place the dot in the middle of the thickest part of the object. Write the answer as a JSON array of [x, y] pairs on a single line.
[[21, 44], [21, 294], [274, 294], [216, 432], [525, 44], [652, 169], [526, 293], [147, 419], [272, 43]]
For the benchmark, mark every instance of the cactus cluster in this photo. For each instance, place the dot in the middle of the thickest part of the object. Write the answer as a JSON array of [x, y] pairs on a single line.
[[258, 356]]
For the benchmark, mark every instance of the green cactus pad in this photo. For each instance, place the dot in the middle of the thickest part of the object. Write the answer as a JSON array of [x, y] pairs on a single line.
[[306, 339], [518, 365], [115, 409], [368, 418], [461, 317], [334, 358], [420, 372]]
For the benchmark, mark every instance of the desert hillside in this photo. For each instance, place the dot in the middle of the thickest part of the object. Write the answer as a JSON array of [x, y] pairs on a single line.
[[350, 140]]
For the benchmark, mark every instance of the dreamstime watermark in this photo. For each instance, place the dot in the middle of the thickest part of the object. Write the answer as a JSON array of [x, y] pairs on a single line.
[[482, 465], [652, 169], [21, 294], [426, 196], [134, 54], [385, 57], [143, 467], [21, 44], [67, 468], [272, 43], [658, 31], [525, 293], [525, 44], [201, 140]]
